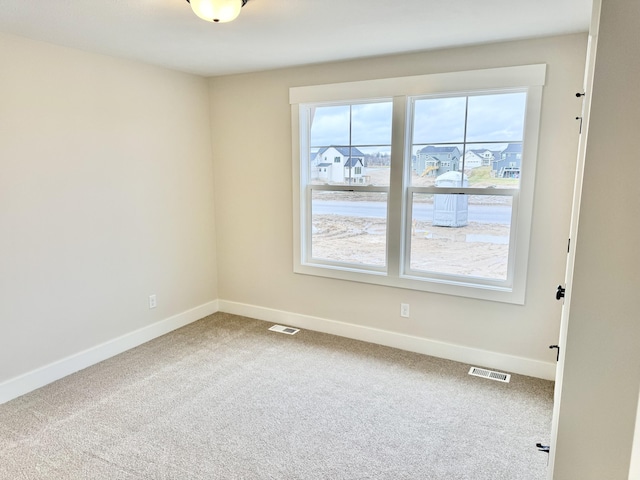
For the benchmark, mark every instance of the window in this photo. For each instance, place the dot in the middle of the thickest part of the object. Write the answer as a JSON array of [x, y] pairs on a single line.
[[411, 208], [463, 234], [347, 226]]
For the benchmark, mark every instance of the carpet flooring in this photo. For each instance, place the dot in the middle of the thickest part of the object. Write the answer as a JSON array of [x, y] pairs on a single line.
[[224, 398]]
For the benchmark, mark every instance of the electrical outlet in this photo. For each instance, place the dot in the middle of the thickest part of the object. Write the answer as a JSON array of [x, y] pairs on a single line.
[[153, 301], [404, 310]]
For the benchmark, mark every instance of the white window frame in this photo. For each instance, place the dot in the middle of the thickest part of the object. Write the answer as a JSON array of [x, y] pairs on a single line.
[[529, 77]]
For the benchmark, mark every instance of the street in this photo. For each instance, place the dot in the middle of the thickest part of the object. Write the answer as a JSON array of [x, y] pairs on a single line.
[[496, 214]]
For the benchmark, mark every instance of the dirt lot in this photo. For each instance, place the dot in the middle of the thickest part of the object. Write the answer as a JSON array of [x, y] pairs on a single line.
[[476, 249]]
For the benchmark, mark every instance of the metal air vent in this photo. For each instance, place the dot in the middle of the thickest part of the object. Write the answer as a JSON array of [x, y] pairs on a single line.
[[283, 329], [490, 374]]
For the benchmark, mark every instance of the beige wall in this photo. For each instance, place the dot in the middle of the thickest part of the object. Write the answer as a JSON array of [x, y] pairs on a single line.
[[106, 196], [599, 396], [252, 159]]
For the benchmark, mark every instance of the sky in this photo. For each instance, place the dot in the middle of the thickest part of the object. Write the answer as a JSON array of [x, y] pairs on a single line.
[[489, 118]]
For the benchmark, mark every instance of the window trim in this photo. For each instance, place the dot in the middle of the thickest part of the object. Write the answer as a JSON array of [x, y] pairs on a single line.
[[529, 77]]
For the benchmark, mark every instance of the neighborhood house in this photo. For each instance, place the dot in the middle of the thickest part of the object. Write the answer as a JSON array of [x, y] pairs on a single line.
[[338, 165], [347, 165], [479, 158], [508, 164], [434, 161]]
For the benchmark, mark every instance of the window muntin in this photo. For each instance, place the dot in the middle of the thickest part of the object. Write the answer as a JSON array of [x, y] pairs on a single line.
[[401, 188]]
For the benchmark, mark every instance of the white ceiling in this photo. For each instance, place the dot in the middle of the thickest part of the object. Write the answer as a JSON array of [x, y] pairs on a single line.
[[277, 33]]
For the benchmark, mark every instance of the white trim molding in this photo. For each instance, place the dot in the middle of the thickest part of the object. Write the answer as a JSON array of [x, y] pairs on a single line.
[[393, 266], [449, 351], [490, 78], [42, 376]]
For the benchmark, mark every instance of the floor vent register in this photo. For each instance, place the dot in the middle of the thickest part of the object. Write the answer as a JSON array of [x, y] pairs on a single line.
[[283, 329], [490, 374]]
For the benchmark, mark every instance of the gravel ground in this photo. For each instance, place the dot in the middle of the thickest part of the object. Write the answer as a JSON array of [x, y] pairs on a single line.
[[476, 249]]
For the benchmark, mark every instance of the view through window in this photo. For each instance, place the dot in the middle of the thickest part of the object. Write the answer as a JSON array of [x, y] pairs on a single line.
[[349, 226], [471, 145], [412, 189]]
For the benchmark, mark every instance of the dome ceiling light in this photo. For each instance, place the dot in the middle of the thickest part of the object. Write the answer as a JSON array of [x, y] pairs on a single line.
[[217, 11]]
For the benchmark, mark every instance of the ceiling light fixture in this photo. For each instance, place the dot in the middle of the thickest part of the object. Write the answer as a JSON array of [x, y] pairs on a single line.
[[217, 11]]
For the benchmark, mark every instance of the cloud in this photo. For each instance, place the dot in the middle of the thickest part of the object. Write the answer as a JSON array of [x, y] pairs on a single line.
[[489, 118]]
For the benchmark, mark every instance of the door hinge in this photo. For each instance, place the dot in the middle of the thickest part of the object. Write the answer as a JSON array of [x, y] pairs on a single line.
[[543, 448]]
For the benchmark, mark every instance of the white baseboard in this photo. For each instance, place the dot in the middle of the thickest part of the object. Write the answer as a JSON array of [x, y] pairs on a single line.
[[459, 353], [40, 377]]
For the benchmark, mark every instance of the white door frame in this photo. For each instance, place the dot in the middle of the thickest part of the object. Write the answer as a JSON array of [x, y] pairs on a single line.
[[573, 231]]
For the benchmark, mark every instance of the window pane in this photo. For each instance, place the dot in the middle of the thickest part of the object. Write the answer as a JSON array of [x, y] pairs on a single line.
[[439, 120], [496, 117], [329, 125], [466, 235], [350, 144], [351, 166], [377, 166], [506, 168], [493, 165], [428, 162], [349, 227], [371, 124]]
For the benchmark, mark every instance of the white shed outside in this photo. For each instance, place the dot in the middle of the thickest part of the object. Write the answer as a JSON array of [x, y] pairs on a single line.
[[451, 210]]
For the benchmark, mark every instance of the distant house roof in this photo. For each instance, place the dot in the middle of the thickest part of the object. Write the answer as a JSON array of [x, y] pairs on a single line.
[[513, 148], [353, 161], [344, 151], [325, 164], [432, 149]]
